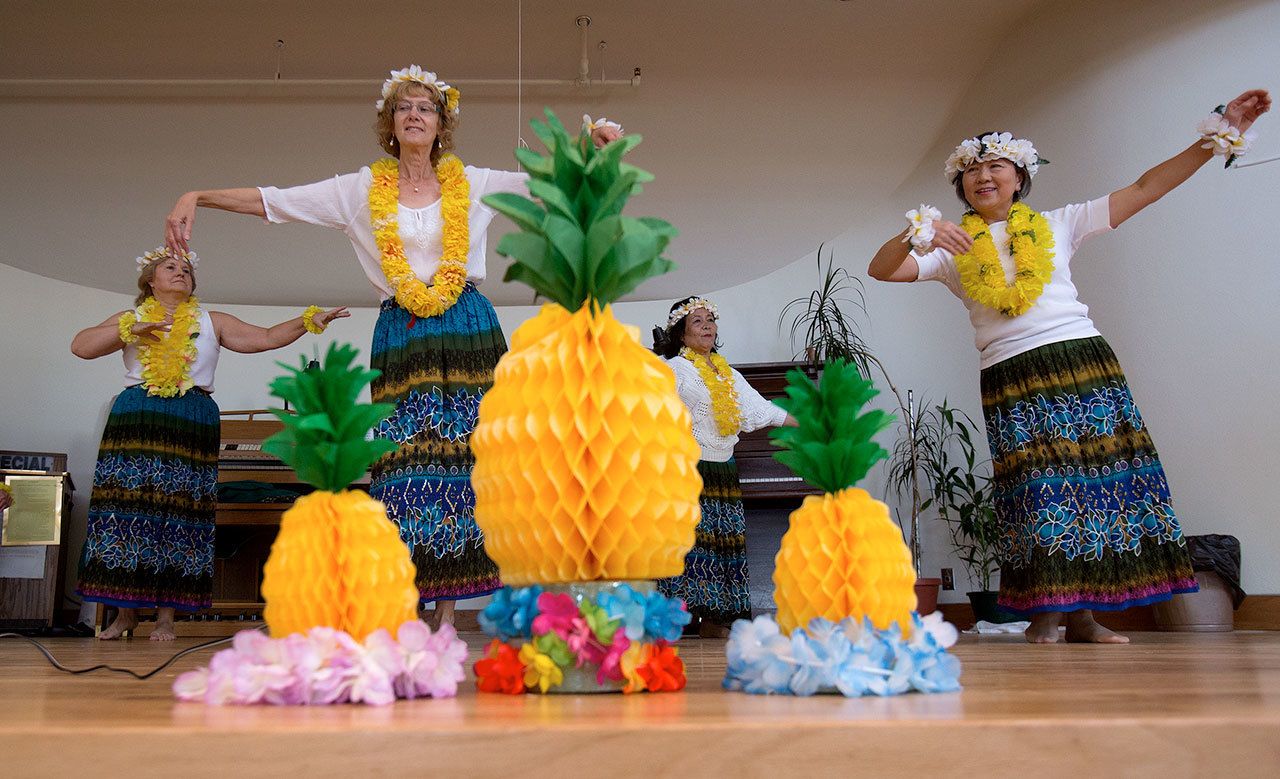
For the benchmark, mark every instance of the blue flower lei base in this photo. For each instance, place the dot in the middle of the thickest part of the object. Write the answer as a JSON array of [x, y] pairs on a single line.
[[849, 657], [582, 637]]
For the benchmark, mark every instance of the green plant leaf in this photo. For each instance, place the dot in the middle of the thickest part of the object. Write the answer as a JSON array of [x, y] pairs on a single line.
[[324, 440]]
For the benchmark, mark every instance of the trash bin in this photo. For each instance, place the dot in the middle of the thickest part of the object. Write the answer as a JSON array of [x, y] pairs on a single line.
[[1216, 561]]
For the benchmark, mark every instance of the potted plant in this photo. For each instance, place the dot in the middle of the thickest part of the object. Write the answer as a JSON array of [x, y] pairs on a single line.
[[824, 321], [960, 490]]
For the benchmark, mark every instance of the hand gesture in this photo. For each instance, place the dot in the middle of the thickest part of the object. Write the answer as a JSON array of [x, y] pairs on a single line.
[[952, 237], [177, 225], [325, 317], [1242, 112], [153, 329]]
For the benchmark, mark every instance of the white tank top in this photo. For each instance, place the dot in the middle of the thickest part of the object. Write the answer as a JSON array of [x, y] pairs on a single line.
[[207, 348]]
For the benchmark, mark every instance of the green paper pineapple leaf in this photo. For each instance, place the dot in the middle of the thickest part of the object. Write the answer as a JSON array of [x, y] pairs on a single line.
[[575, 245], [324, 442], [832, 446]]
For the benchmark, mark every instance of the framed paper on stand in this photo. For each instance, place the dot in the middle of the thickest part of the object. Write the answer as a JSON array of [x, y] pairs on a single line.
[[35, 518]]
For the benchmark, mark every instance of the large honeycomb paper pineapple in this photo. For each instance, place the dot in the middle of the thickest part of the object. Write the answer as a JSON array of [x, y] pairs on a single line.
[[338, 561], [842, 555], [586, 466]]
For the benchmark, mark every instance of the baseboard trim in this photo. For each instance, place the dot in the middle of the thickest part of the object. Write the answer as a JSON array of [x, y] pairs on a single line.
[[1257, 612]]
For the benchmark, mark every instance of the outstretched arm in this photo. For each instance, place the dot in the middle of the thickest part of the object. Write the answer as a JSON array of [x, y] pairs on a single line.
[[1161, 180], [240, 336], [177, 226]]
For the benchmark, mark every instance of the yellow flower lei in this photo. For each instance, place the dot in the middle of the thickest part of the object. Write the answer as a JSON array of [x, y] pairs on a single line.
[[127, 320], [1030, 245], [455, 206], [309, 320], [5, 488], [718, 377], [166, 364]]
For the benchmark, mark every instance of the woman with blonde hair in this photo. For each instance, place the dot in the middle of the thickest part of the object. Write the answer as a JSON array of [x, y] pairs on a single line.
[[149, 540], [417, 224]]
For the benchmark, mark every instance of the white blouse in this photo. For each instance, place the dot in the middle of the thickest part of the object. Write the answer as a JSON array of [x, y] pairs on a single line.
[[207, 351], [756, 411], [1057, 315], [342, 203]]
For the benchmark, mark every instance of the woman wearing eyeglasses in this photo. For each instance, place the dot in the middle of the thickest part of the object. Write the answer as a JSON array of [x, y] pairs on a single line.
[[417, 224]]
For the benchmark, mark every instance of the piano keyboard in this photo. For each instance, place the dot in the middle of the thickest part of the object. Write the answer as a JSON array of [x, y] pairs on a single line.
[[763, 479], [242, 455]]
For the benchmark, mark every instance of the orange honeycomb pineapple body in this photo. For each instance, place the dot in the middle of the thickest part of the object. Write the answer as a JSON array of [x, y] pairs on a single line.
[[843, 557], [585, 465], [338, 562]]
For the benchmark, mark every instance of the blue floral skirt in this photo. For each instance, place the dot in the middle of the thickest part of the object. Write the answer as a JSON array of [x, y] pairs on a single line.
[[149, 540], [714, 584], [435, 370], [1086, 517]]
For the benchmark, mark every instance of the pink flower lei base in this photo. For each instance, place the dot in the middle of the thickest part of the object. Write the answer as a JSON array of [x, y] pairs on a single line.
[[325, 666]]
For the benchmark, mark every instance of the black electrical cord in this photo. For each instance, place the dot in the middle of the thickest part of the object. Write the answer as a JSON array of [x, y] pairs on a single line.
[[103, 667]]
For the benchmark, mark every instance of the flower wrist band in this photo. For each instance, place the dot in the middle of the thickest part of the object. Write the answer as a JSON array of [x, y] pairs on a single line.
[[1222, 138], [127, 320], [595, 124], [920, 227], [309, 320]]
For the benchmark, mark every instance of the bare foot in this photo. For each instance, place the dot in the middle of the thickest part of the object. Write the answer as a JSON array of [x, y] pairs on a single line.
[[442, 614], [164, 626], [126, 619], [1083, 629], [1044, 628]]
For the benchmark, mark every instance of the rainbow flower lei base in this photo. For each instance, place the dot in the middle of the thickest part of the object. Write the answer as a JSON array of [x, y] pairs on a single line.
[[325, 666], [850, 657], [585, 637]]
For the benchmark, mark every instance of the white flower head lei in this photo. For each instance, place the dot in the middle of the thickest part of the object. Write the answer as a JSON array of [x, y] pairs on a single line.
[[163, 253], [452, 96], [688, 307], [994, 146], [1223, 138]]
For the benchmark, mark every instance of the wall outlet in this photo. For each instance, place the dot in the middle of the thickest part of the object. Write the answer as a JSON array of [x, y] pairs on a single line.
[[948, 579]]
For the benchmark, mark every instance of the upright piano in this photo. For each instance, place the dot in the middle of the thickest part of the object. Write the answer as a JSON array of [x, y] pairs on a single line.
[[764, 479]]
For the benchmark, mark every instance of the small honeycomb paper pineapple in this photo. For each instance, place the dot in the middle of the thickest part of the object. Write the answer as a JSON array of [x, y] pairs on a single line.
[[586, 466], [842, 556], [338, 561]]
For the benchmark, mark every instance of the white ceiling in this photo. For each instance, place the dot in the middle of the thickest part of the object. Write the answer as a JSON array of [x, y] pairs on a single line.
[[767, 124]]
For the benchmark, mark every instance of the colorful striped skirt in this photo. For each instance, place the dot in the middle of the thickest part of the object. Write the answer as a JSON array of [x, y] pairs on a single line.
[[1086, 517], [149, 540], [714, 584], [435, 370]]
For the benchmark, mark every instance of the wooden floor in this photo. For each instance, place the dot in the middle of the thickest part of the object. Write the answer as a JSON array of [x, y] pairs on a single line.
[[1168, 705]]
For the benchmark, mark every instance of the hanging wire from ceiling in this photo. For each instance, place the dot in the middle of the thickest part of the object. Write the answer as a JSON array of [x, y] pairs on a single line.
[[520, 141]]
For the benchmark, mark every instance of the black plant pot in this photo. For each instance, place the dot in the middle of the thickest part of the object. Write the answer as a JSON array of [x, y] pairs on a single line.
[[985, 608]]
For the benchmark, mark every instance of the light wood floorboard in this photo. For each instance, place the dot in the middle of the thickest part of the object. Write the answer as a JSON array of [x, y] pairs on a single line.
[[1167, 704]]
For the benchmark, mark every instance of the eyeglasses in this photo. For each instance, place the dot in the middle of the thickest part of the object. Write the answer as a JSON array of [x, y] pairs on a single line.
[[423, 109]]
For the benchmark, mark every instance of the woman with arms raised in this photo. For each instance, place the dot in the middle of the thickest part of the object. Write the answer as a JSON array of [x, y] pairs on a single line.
[[149, 540], [1086, 517], [417, 224]]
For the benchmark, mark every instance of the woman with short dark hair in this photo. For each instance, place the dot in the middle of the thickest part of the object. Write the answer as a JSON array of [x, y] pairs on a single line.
[[714, 584], [1086, 517]]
